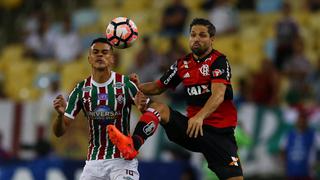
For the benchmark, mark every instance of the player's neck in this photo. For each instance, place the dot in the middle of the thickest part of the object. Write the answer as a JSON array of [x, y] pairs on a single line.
[[101, 76], [203, 55]]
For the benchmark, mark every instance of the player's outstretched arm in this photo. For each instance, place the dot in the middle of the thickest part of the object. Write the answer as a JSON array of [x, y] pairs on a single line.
[[62, 122], [148, 88]]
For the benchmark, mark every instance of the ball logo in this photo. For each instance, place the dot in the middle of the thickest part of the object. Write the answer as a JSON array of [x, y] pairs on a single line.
[[204, 70]]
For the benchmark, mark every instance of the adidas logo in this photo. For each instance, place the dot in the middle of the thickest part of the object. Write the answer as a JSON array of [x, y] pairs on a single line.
[[186, 75]]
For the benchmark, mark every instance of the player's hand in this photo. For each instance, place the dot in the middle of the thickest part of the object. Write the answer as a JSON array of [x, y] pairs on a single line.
[[141, 101], [195, 127], [59, 104], [135, 78]]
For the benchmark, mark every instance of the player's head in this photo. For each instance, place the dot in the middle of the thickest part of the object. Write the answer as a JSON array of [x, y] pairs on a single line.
[[202, 32], [101, 54]]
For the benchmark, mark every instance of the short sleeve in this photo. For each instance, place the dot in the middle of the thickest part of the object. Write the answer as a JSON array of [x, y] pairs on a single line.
[[221, 70], [132, 88], [74, 104]]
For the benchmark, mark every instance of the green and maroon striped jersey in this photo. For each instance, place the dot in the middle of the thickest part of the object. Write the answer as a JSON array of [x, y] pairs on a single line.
[[103, 104]]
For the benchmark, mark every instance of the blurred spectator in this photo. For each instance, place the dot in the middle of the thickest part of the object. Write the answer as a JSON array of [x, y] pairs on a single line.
[[264, 93], [263, 6], [314, 82], [224, 16], [174, 19], [313, 5], [286, 32], [39, 44], [265, 85], [45, 113], [246, 5], [147, 61], [175, 51], [299, 149], [243, 94], [297, 68], [67, 44]]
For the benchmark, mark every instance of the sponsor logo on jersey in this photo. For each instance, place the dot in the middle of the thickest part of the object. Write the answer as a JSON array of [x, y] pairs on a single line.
[[149, 128], [217, 72], [118, 85], [174, 68], [198, 90], [102, 96], [87, 88], [120, 98], [204, 69], [186, 75], [104, 115]]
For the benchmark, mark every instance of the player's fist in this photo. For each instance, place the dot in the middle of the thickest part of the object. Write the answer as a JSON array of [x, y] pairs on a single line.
[[141, 101], [59, 104], [135, 78]]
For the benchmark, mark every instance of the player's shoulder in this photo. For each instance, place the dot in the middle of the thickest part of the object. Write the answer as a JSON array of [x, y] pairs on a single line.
[[186, 57], [84, 82], [217, 54]]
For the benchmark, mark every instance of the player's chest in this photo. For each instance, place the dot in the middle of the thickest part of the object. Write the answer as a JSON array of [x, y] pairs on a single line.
[[194, 73], [99, 96]]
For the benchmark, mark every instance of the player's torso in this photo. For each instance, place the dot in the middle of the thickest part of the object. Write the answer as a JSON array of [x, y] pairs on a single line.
[[105, 104], [196, 79]]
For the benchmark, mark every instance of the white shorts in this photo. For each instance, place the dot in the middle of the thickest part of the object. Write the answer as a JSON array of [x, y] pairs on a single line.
[[110, 169]]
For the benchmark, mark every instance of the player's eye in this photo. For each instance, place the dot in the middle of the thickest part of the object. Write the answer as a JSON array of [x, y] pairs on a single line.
[[106, 52], [203, 35], [95, 51]]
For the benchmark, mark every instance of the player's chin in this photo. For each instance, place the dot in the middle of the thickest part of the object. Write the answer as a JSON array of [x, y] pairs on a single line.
[[100, 66]]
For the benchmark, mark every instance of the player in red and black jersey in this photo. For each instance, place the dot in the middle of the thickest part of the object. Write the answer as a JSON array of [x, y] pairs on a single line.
[[211, 115]]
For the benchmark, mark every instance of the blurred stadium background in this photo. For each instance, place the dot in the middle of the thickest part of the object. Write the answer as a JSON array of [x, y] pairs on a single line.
[[272, 45]]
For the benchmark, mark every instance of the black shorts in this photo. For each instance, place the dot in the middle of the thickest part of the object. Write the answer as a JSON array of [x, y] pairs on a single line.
[[218, 145]]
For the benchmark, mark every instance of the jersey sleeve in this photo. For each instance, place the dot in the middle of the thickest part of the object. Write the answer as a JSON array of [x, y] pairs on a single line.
[[170, 79], [221, 71], [132, 88], [74, 104]]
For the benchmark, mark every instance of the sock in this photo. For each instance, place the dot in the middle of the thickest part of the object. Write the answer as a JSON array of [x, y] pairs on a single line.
[[146, 127]]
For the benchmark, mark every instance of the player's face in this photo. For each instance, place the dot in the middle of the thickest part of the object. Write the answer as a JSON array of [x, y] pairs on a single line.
[[101, 56], [200, 41]]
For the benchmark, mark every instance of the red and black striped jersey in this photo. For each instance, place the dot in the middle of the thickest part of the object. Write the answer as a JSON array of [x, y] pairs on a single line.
[[103, 104], [197, 76]]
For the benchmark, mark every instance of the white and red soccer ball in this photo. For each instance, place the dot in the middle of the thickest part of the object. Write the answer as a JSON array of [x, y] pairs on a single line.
[[122, 32]]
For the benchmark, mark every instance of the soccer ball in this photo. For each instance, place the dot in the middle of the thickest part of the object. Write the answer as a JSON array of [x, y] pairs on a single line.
[[121, 32]]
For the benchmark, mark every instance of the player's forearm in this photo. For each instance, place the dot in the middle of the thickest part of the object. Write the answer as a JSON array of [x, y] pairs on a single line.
[[211, 105], [151, 88], [59, 126]]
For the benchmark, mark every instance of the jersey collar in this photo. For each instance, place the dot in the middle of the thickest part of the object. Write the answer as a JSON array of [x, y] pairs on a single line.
[[198, 60], [105, 83]]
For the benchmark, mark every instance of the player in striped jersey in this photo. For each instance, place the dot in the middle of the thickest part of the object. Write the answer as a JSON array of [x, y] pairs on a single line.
[[106, 98]]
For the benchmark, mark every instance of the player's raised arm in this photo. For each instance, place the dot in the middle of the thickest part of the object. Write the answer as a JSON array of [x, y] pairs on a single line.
[[62, 122]]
